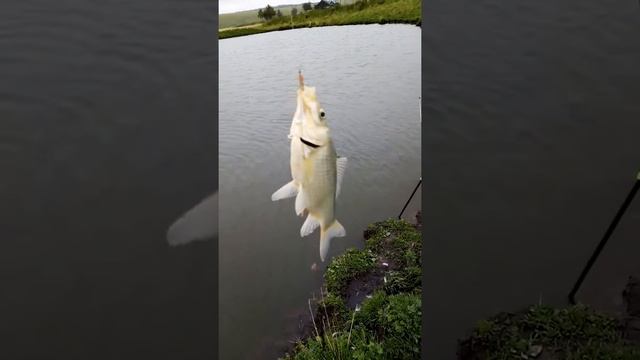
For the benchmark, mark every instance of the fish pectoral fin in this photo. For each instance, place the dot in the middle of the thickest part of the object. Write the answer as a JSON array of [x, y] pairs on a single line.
[[335, 230], [309, 226], [300, 202], [341, 165], [289, 190]]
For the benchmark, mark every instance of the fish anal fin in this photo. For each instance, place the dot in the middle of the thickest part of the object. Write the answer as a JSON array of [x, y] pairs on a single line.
[[309, 226]]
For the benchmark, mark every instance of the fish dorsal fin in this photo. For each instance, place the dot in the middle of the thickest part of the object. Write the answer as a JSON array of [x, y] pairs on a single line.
[[341, 165]]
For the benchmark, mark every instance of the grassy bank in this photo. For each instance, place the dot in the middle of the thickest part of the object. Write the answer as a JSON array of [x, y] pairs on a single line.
[[543, 332], [371, 308], [361, 12]]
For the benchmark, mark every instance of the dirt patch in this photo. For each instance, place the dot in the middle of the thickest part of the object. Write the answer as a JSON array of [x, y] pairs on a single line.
[[359, 289]]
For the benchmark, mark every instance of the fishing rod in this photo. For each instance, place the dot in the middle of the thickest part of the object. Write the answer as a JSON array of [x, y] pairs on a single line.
[[419, 180], [410, 197], [605, 238]]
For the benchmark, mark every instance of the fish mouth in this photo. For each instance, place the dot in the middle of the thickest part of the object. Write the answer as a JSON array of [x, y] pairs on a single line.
[[308, 143]]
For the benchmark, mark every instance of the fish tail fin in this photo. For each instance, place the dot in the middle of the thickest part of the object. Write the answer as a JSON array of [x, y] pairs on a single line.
[[334, 230], [289, 190]]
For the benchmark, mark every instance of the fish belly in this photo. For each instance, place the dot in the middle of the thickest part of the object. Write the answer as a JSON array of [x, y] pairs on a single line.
[[319, 184]]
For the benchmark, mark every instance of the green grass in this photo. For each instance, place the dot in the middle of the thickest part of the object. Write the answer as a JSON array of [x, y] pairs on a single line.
[[248, 17], [403, 248], [344, 268], [239, 18], [387, 324], [572, 333], [386, 327], [357, 345], [361, 12]]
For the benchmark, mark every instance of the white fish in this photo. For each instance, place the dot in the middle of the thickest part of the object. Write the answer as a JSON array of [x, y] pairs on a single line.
[[316, 170], [322, 175]]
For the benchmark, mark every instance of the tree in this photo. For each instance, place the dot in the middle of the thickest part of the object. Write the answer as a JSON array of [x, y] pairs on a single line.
[[278, 13], [268, 13], [294, 12], [260, 14], [306, 6]]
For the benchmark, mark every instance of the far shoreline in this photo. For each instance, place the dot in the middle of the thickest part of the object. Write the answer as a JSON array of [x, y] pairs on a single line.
[[254, 30], [362, 12]]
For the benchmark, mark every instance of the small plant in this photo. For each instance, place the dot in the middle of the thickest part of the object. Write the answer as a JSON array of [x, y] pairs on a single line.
[[371, 312], [333, 307], [402, 321], [336, 339], [406, 280], [356, 345]]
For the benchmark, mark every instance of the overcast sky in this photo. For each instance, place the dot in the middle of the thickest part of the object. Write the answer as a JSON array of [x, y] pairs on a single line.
[[229, 6]]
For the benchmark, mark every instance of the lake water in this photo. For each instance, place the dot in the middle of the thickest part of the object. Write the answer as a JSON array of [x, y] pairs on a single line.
[[107, 135], [532, 136], [368, 82]]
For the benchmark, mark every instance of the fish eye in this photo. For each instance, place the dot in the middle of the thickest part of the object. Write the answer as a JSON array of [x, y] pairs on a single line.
[[322, 114]]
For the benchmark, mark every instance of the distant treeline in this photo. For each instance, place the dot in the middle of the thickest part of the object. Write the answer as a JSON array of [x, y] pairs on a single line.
[[269, 12]]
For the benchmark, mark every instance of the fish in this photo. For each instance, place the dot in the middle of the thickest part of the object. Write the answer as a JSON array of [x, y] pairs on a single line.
[[323, 173], [316, 170]]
